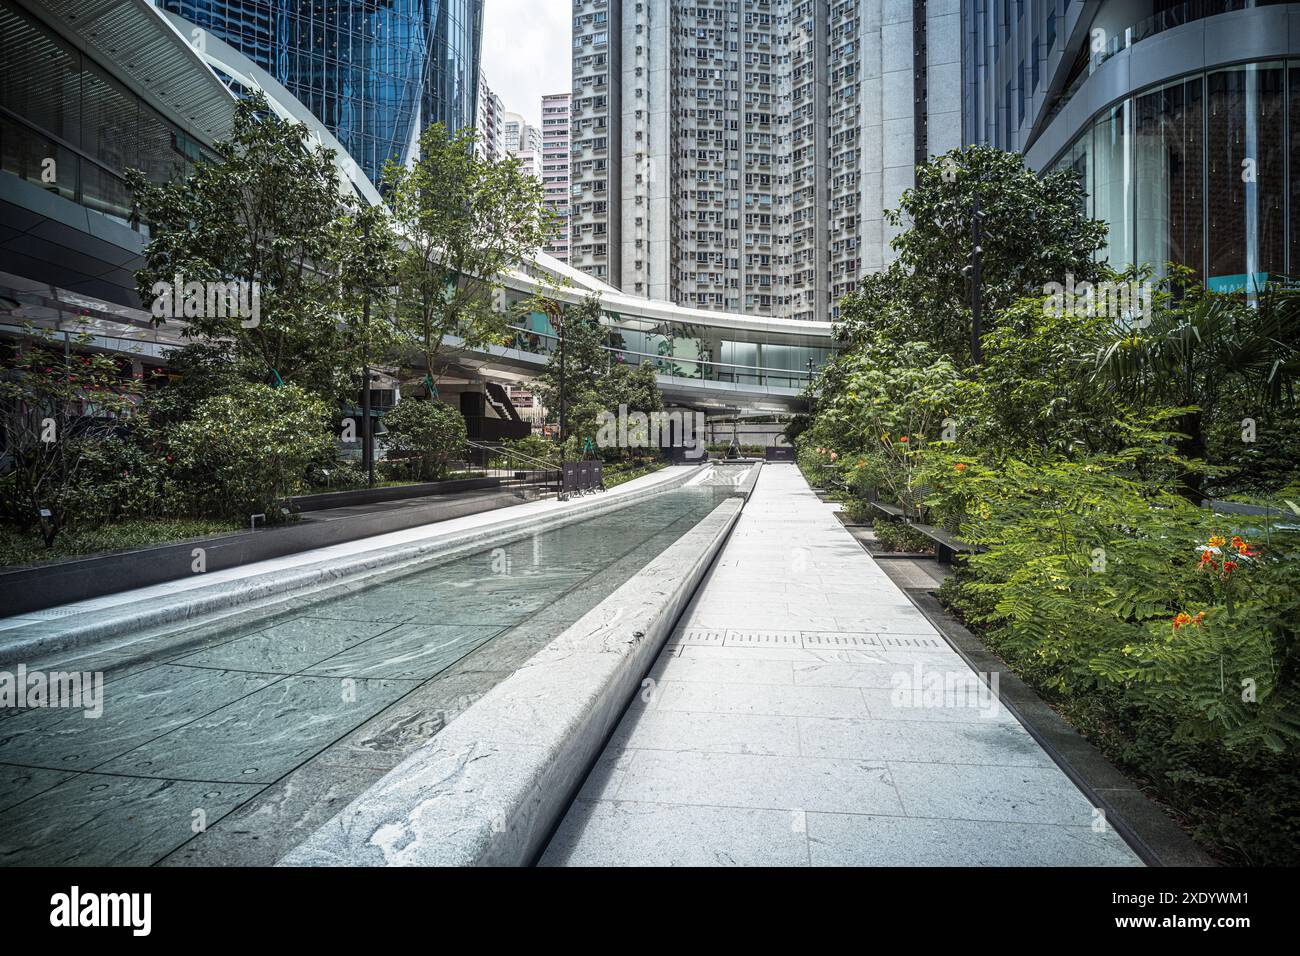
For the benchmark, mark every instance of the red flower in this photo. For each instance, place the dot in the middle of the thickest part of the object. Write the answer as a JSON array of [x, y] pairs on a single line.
[[903, 439]]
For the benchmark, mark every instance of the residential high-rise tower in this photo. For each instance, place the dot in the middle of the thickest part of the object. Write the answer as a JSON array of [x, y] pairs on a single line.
[[739, 154]]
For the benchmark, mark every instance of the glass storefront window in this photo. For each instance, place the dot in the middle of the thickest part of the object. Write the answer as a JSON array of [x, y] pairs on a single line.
[[1202, 172], [1244, 116], [37, 159], [1113, 180], [1168, 176]]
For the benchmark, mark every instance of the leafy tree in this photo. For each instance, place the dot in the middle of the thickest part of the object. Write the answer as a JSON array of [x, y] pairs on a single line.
[[1033, 232], [586, 364], [1035, 388], [634, 386], [271, 212], [57, 407], [427, 432], [246, 451], [464, 221]]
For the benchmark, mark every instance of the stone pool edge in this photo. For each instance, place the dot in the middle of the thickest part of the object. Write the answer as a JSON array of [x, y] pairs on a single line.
[[490, 789], [260, 592]]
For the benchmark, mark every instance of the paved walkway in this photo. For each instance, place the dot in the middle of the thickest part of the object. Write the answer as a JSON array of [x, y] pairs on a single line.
[[804, 712]]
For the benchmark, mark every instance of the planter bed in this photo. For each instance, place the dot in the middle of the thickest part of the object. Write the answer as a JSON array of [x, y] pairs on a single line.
[[37, 587]]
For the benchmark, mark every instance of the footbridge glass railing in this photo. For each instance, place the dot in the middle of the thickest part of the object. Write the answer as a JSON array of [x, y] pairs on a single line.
[[670, 358]]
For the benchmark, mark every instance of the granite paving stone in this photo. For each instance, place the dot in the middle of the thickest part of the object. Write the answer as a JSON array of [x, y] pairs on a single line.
[[805, 711]]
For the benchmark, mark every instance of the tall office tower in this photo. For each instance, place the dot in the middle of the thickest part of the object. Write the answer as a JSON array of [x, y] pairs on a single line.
[[1179, 117], [488, 120], [739, 154], [555, 169], [375, 72]]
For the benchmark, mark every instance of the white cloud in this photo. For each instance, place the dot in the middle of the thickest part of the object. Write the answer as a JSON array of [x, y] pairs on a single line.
[[526, 51]]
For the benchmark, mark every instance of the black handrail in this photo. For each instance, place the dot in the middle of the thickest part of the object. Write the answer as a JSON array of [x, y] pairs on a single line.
[[528, 473]]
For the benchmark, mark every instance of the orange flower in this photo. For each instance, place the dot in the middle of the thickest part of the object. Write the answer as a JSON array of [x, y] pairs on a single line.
[[1182, 619], [960, 466], [903, 438], [1207, 560], [1238, 543], [1217, 541]]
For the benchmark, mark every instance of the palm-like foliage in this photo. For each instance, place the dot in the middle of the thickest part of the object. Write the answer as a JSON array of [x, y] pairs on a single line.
[[1193, 353]]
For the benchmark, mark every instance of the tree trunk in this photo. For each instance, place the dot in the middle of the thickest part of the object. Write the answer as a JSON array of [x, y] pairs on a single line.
[[1192, 446]]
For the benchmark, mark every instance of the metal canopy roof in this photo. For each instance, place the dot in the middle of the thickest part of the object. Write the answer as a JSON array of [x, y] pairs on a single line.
[[145, 51]]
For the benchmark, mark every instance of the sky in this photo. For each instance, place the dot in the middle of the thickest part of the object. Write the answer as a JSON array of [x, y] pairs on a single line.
[[526, 52]]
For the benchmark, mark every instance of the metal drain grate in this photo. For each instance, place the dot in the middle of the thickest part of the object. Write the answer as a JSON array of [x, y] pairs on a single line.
[[911, 642], [823, 640], [764, 639], [697, 635]]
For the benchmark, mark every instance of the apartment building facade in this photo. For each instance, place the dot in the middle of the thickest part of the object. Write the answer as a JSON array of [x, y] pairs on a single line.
[[737, 155], [555, 170], [488, 120], [522, 140]]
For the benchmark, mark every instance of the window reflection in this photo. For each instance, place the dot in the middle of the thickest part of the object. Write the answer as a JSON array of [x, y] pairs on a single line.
[[1196, 172]]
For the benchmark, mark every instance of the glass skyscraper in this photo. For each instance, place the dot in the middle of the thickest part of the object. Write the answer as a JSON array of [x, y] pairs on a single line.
[[375, 72]]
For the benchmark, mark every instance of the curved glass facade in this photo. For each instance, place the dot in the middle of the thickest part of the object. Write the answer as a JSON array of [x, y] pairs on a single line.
[[1203, 171], [375, 72], [69, 126]]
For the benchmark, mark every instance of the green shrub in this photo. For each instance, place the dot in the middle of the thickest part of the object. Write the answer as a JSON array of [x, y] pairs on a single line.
[[1167, 633], [341, 475], [126, 477], [535, 447], [900, 536], [248, 450], [19, 548], [428, 434], [56, 409], [857, 509]]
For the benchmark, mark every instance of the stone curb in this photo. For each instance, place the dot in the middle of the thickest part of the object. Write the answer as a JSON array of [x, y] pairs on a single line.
[[490, 789], [262, 592]]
